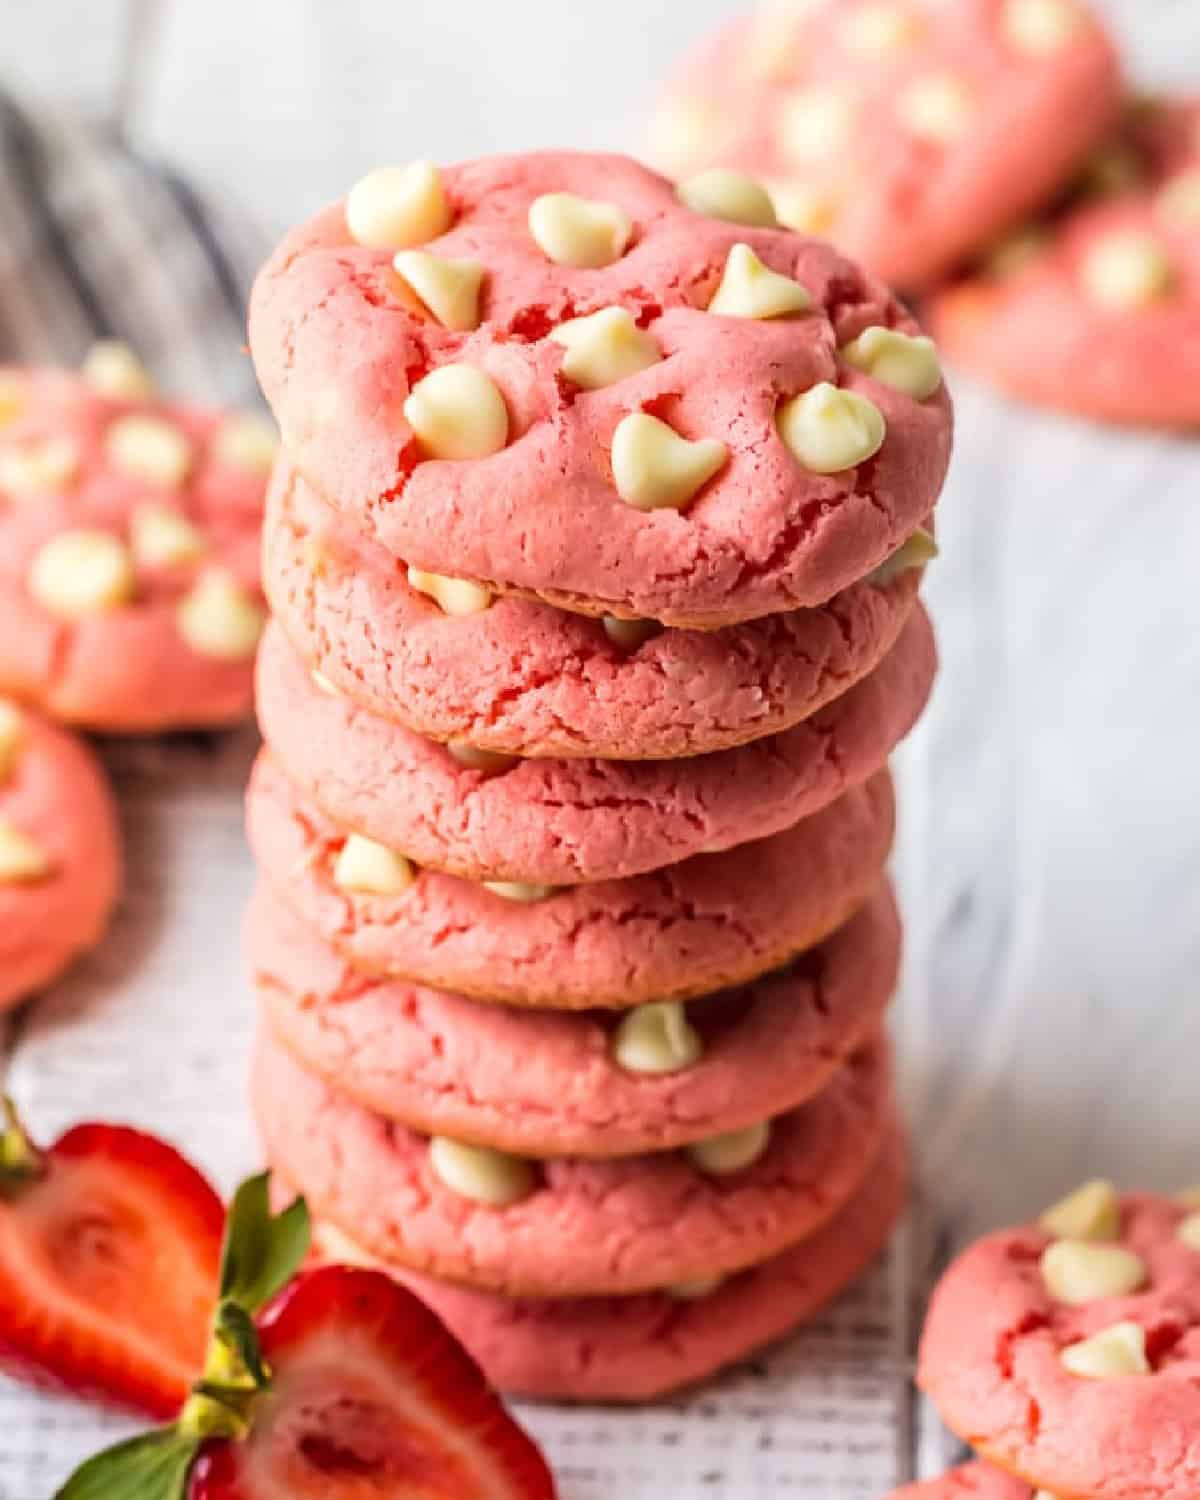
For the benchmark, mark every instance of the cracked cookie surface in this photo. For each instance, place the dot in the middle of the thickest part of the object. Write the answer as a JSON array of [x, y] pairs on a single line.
[[566, 822], [545, 1083], [626, 1225], [992, 1356], [341, 344], [639, 1348], [713, 921], [527, 678]]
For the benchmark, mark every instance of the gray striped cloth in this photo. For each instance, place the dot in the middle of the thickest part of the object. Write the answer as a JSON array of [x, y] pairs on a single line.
[[97, 241]]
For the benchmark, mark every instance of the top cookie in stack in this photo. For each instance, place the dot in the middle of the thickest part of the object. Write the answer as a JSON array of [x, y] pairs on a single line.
[[594, 553], [548, 377]]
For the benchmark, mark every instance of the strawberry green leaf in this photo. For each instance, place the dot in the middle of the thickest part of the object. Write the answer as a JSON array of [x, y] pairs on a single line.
[[154, 1466], [262, 1251], [234, 1329]]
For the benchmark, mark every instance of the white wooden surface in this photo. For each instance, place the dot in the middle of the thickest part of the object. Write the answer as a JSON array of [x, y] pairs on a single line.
[[1050, 851]]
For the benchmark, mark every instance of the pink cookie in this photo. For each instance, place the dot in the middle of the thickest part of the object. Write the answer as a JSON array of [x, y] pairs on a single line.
[[971, 1482], [60, 856], [528, 678], [340, 342], [129, 536], [430, 1059], [1003, 1319], [630, 1224], [640, 1348], [1116, 279], [911, 132], [564, 822], [715, 920]]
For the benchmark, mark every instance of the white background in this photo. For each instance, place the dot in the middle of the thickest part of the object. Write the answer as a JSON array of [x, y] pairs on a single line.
[[1050, 852]]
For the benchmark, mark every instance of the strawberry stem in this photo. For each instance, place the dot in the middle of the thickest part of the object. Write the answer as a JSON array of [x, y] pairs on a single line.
[[234, 1376], [20, 1160]]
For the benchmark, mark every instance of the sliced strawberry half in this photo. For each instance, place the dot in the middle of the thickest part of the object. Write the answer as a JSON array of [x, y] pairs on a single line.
[[369, 1399], [110, 1245]]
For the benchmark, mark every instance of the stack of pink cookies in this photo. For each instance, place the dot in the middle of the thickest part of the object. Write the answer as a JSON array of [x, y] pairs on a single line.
[[594, 555]]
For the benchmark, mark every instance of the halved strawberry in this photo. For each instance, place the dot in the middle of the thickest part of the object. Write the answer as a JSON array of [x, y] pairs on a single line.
[[110, 1245], [369, 1399]]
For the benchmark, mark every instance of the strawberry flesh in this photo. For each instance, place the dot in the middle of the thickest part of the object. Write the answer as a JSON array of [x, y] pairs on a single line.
[[109, 1260], [370, 1399]]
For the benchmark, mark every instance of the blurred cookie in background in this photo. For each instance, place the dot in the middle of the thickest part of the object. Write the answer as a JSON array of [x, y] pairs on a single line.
[[910, 132], [129, 541], [60, 859], [1115, 273]]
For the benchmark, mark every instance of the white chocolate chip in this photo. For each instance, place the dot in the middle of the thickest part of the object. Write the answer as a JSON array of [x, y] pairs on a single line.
[[1015, 253], [457, 412], [939, 107], [448, 288], [1179, 201], [164, 538], [394, 208], [915, 551], [12, 732], [749, 289], [828, 429], [630, 634], [803, 207], [22, 861], [113, 369], [337, 1248], [479, 1173], [38, 468], [881, 27], [80, 573], [219, 617], [653, 467], [1109, 1354], [696, 1289], [906, 362], [1127, 270], [580, 232], [246, 442], [150, 449], [604, 347], [1091, 1212], [773, 34], [1079, 1271], [454, 596], [487, 762], [519, 891], [1189, 1231], [1040, 26], [815, 124], [683, 130], [12, 396], [734, 1151], [1045, 1495], [371, 868], [657, 1038], [732, 196]]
